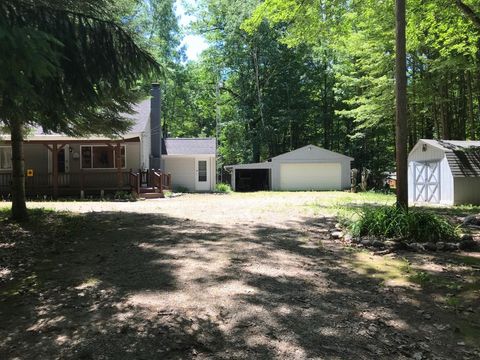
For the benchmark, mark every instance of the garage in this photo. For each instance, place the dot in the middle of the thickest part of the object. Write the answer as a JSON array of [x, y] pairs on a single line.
[[310, 176], [248, 180], [304, 169]]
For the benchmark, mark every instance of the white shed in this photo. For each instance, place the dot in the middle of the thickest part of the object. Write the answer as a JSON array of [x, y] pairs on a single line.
[[307, 168], [444, 172]]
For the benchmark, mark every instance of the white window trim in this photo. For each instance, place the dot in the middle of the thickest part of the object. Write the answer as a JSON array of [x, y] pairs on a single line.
[[91, 157], [11, 165]]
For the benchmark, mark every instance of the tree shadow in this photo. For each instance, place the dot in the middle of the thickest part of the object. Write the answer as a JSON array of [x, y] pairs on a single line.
[[150, 286]]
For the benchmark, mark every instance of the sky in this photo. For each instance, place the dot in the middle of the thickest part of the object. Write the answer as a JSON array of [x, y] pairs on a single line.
[[194, 44]]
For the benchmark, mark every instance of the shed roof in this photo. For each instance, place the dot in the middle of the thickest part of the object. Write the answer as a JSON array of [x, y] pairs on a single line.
[[187, 146], [463, 156]]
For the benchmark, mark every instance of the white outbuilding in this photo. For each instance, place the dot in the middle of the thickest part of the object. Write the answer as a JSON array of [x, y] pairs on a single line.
[[306, 168], [444, 172]]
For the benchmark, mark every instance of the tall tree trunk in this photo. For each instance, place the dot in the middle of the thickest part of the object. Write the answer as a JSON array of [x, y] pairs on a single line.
[[471, 116], [401, 128], [19, 207]]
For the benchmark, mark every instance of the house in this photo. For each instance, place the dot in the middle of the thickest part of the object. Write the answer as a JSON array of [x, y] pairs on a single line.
[[60, 165], [306, 168], [444, 172]]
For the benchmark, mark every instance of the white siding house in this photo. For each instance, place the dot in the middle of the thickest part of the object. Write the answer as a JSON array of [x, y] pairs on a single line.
[[306, 168], [444, 172]]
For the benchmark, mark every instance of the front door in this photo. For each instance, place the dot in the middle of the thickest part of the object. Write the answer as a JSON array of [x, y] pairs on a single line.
[[63, 165], [202, 175]]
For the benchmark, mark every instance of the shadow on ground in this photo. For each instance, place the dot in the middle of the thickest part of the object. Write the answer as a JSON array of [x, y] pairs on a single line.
[[136, 286]]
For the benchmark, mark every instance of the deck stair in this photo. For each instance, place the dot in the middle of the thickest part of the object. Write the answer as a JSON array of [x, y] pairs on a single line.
[[150, 184]]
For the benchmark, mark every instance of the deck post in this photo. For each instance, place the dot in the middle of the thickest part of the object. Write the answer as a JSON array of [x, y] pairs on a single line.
[[118, 160], [55, 170]]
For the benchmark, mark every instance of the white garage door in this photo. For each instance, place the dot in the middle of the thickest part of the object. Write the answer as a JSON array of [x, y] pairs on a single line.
[[426, 176], [310, 177]]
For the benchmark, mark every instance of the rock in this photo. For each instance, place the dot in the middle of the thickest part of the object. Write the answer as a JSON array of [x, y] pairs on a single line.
[[366, 242], [451, 246], [378, 244], [356, 240], [466, 237], [390, 244], [467, 244], [440, 246], [417, 356], [338, 226], [348, 238], [416, 247], [336, 234], [430, 246], [472, 220]]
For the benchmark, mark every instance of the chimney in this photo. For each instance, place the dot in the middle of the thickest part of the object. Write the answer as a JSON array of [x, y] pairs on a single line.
[[155, 128]]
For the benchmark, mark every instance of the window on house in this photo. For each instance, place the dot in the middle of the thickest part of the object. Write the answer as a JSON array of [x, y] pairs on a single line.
[[5, 158], [100, 157]]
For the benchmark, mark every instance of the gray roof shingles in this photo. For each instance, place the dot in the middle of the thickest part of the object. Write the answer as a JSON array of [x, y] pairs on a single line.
[[463, 157], [184, 146], [464, 163]]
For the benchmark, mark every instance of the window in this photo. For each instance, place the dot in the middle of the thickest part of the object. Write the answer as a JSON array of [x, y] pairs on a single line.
[[100, 157], [202, 171], [5, 158]]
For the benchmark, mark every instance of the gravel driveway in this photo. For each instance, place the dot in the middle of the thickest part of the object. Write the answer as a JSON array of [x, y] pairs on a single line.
[[216, 277]]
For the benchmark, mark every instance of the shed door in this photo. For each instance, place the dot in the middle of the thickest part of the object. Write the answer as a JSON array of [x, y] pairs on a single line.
[[426, 182], [310, 176]]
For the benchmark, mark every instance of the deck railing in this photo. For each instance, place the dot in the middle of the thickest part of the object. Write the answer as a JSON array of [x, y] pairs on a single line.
[[152, 179], [70, 183]]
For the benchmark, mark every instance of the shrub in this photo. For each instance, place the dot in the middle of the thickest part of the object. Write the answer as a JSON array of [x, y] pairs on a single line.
[[180, 189], [412, 225], [223, 188]]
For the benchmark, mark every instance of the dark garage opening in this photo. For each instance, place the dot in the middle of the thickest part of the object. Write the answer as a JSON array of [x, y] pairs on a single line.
[[252, 180]]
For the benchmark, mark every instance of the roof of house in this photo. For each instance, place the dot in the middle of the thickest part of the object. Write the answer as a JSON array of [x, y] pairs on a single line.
[[463, 156], [140, 118], [185, 146]]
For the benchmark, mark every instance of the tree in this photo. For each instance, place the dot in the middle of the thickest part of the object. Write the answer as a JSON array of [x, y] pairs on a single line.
[[67, 67], [401, 128], [469, 12]]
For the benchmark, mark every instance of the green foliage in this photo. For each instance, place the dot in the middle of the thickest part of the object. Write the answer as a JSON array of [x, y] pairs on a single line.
[[412, 226], [223, 188], [181, 189], [67, 70]]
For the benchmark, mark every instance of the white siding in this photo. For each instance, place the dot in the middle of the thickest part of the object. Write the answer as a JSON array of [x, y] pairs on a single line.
[[467, 190], [432, 153], [182, 170]]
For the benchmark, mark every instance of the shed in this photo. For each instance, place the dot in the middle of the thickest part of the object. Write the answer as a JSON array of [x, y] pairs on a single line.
[[307, 168], [444, 172]]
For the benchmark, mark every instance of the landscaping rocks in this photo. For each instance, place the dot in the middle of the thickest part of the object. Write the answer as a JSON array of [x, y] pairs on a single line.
[[468, 244], [337, 234], [472, 220]]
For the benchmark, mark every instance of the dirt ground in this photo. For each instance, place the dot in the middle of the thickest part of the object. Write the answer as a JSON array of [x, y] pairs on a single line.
[[252, 276]]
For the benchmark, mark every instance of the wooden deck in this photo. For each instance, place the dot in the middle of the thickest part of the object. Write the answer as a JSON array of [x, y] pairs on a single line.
[[91, 183]]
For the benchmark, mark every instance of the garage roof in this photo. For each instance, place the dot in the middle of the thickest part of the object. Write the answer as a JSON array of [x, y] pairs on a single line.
[[309, 153]]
